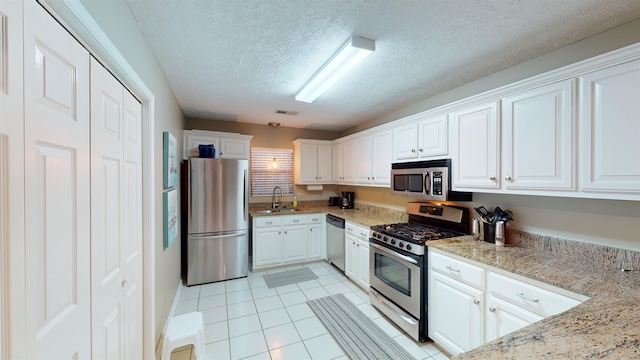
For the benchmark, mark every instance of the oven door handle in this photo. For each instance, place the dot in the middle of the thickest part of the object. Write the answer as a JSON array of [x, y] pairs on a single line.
[[392, 307], [400, 256]]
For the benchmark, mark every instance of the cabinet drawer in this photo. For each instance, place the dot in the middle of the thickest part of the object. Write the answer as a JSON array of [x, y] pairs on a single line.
[[267, 221], [351, 228], [362, 233], [456, 269], [294, 219], [530, 297], [315, 218]]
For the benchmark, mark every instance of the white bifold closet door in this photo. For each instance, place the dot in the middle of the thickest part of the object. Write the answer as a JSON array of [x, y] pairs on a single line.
[[57, 195], [116, 219]]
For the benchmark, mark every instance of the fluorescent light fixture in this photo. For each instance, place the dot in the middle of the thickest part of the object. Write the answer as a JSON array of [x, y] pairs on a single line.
[[349, 55]]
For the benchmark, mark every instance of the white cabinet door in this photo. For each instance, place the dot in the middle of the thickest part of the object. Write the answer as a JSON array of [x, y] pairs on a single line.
[[315, 243], [308, 163], [381, 158], [338, 163], [503, 318], [405, 142], [324, 163], [267, 247], [363, 160], [433, 136], [477, 149], [538, 138], [349, 162], [231, 148], [350, 257], [295, 243], [362, 277], [116, 218], [456, 314], [57, 265], [610, 129], [192, 141]]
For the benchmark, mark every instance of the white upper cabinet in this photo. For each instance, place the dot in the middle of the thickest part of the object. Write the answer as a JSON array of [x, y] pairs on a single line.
[[312, 161], [538, 132], [422, 137], [337, 157], [227, 145], [610, 131], [349, 162], [476, 136], [373, 159]]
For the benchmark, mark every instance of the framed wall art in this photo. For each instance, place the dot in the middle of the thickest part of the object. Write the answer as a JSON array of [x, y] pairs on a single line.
[[170, 160], [169, 216]]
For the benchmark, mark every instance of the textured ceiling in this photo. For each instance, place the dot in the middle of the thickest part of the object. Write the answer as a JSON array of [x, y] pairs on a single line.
[[241, 60]]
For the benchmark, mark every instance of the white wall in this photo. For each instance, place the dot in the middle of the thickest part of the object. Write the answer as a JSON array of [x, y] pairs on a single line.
[[116, 20]]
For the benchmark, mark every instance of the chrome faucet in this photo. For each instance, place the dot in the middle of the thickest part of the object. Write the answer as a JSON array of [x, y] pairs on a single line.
[[275, 203]]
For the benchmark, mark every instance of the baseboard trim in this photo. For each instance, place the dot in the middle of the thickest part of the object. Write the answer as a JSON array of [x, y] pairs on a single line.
[[172, 312]]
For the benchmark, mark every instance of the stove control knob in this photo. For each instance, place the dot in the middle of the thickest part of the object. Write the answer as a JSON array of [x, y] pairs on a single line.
[[379, 236], [408, 247], [386, 239], [401, 244], [393, 242]]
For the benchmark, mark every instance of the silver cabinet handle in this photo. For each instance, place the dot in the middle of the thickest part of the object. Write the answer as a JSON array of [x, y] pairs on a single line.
[[420, 150], [452, 269], [476, 301], [413, 151], [279, 232], [361, 234], [492, 309], [492, 178], [508, 178], [268, 222], [124, 282], [311, 229], [295, 221], [521, 294]]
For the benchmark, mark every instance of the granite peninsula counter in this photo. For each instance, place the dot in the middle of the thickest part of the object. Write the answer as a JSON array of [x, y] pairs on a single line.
[[605, 326]]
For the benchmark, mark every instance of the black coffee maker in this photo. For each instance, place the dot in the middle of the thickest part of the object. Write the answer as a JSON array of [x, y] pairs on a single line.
[[348, 199]]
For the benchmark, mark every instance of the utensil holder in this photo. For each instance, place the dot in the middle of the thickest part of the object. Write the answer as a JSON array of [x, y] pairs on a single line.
[[490, 233]]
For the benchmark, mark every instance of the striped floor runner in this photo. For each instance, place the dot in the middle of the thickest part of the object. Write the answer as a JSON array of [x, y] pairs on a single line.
[[359, 337], [289, 277]]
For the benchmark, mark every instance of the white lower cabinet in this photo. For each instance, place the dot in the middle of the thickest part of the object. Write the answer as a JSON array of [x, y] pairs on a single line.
[[472, 303], [457, 318], [356, 254], [287, 239], [502, 318]]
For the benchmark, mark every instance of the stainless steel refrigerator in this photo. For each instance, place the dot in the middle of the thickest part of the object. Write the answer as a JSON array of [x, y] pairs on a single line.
[[218, 220]]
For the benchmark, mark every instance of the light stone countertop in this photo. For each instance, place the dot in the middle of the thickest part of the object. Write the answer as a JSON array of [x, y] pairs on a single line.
[[364, 217], [605, 326]]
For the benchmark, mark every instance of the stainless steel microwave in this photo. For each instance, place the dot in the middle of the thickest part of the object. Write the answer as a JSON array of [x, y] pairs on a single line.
[[428, 180]]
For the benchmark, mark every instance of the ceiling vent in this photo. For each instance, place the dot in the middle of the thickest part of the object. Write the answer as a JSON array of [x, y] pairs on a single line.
[[286, 112]]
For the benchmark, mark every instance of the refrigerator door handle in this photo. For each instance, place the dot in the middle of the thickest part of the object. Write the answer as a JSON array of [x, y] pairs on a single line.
[[204, 236], [246, 191]]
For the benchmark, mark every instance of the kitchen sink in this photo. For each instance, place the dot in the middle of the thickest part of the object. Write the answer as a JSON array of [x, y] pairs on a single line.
[[269, 211]]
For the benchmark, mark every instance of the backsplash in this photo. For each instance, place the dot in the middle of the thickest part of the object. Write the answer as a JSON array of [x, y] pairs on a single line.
[[598, 254]]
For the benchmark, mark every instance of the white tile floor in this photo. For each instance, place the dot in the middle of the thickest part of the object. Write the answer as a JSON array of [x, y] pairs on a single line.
[[246, 320]]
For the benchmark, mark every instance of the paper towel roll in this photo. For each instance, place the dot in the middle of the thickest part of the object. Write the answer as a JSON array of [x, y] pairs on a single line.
[[314, 187]]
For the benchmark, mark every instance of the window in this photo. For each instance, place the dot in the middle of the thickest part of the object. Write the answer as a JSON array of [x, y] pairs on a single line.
[[264, 177]]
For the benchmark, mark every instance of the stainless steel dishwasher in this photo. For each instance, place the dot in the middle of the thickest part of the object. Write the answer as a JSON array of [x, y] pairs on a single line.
[[335, 241]]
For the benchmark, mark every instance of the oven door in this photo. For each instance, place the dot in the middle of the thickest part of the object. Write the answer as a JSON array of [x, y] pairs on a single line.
[[397, 276]]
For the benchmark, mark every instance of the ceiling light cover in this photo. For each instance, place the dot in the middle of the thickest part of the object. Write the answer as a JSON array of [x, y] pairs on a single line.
[[349, 55]]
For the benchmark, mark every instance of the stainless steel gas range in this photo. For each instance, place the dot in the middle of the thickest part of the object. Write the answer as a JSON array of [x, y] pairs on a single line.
[[398, 262]]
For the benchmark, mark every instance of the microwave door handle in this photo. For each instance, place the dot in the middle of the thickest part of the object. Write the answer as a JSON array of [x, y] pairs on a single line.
[[427, 183]]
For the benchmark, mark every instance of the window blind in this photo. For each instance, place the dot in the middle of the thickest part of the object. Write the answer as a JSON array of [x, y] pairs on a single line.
[[264, 177]]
